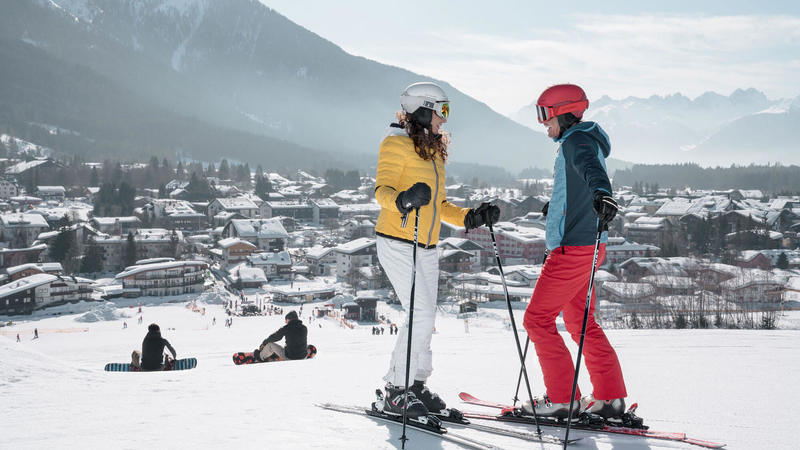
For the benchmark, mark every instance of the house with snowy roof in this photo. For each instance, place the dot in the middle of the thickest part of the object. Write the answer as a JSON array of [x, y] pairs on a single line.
[[150, 243], [649, 230], [516, 244], [753, 286], [302, 291], [370, 209], [628, 293], [320, 260], [325, 211], [163, 278], [634, 269], [351, 255], [467, 245], [173, 213], [237, 205], [21, 296], [117, 226], [14, 273], [8, 188], [235, 250], [16, 256], [300, 211], [359, 226], [266, 234], [249, 277], [51, 193], [619, 250], [21, 229], [275, 265], [454, 260]]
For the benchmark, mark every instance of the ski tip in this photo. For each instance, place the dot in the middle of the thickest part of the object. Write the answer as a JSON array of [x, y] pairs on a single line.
[[466, 397]]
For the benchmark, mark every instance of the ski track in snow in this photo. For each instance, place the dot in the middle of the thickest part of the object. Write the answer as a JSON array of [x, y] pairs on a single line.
[[55, 393]]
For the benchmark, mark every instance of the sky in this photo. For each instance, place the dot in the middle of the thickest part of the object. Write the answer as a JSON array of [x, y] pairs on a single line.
[[505, 52]]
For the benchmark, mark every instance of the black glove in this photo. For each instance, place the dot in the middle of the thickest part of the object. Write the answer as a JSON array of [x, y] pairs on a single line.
[[546, 254], [416, 196], [485, 214], [545, 208], [605, 206]]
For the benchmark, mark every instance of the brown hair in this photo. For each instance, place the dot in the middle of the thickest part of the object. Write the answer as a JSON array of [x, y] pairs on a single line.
[[426, 144]]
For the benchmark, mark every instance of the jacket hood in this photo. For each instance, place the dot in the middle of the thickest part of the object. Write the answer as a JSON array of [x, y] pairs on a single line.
[[593, 130]]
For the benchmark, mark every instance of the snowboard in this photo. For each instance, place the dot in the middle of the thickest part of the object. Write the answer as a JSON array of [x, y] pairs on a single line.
[[177, 364], [249, 357]]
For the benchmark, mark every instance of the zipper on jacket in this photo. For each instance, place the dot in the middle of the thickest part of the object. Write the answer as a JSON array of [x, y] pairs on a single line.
[[435, 196]]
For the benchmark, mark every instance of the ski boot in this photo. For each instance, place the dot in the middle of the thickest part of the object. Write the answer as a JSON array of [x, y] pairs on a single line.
[[436, 406], [431, 400], [607, 409], [612, 411], [549, 410], [394, 403]]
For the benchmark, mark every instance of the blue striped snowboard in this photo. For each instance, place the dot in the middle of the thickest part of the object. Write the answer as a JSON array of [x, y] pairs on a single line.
[[178, 364]]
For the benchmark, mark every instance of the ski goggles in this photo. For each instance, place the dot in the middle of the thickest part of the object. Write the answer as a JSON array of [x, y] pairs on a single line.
[[544, 113], [442, 109]]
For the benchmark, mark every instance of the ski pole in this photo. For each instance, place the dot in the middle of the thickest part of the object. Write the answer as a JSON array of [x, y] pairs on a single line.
[[600, 226], [403, 438], [514, 329], [519, 379]]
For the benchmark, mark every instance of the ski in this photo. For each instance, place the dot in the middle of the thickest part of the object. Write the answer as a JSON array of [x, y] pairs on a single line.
[[456, 418], [432, 427], [514, 415]]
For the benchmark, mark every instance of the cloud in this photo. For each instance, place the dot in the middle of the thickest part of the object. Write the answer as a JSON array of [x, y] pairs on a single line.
[[617, 55]]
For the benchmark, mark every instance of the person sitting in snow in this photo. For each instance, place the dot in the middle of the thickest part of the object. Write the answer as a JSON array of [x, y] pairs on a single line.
[[296, 335], [153, 350]]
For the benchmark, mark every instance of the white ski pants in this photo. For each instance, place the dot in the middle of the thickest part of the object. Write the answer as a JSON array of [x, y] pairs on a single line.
[[395, 258]]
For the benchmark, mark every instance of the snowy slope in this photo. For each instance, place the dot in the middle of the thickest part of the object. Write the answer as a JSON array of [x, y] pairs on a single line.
[[56, 395]]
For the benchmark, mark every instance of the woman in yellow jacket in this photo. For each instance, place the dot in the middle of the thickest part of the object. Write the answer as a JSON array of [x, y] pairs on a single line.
[[411, 177]]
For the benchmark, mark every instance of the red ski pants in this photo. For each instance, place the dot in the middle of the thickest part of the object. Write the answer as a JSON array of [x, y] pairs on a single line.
[[562, 286]]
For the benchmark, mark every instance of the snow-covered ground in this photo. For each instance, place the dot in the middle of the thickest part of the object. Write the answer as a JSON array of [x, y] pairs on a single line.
[[729, 386]]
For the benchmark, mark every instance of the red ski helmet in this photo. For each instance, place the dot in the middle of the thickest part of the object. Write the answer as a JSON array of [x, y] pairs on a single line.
[[561, 99]]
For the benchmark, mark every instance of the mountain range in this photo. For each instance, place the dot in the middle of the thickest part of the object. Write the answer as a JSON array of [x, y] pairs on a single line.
[[712, 129], [205, 79]]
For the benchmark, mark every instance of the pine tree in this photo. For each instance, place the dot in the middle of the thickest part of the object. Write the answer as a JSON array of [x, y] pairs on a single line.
[[130, 257], [60, 247], [92, 261], [224, 170], [173, 244], [94, 180], [126, 197], [263, 187], [783, 261]]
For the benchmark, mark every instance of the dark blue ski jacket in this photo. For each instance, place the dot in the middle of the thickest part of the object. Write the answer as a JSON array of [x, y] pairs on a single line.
[[579, 171]]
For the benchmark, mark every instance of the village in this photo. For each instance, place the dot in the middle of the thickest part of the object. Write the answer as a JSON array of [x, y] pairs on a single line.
[[675, 258]]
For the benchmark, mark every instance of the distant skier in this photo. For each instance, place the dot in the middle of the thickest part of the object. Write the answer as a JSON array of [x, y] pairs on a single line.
[[124, 325], [18, 337], [296, 335], [36, 333], [411, 176], [153, 349], [581, 197]]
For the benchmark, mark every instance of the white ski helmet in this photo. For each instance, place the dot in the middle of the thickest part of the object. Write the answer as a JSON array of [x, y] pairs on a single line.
[[425, 95]]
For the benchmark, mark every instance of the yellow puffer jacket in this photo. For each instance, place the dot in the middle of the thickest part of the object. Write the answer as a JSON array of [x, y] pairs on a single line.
[[399, 167]]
